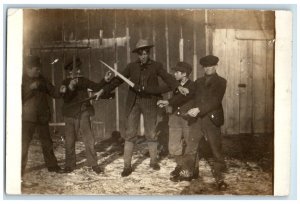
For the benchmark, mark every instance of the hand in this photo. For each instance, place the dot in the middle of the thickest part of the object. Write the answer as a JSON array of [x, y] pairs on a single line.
[[108, 76], [34, 85], [73, 83], [162, 103], [138, 88], [62, 89], [182, 90], [193, 112], [98, 94]]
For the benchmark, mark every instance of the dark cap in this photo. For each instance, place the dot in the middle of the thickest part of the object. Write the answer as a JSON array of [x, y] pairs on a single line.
[[209, 61], [69, 65], [33, 61], [142, 44], [183, 67]]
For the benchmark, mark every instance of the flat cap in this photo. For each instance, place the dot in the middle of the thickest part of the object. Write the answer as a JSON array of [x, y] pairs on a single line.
[[183, 67], [209, 60]]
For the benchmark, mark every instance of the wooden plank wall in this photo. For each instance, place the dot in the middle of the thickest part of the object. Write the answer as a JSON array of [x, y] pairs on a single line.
[[112, 34], [96, 28], [248, 67]]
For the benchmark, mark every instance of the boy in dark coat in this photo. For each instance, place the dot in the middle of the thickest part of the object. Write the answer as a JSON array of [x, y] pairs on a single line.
[[209, 92]]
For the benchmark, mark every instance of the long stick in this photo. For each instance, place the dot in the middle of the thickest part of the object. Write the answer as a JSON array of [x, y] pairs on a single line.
[[130, 83]]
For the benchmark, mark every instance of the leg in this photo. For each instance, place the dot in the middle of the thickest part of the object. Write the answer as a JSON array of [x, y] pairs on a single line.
[[131, 131], [213, 135], [88, 138], [27, 133], [70, 143], [189, 159], [47, 147], [175, 143], [149, 111]]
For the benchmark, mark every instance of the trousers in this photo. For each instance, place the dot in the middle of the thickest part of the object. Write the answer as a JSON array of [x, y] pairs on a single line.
[[28, 129], [74, 126]]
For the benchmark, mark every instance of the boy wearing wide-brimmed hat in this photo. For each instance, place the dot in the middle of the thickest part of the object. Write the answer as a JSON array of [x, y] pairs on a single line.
[[143, 72]]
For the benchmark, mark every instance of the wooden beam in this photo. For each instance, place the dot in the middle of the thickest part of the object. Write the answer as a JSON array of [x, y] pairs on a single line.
[[255, 34]]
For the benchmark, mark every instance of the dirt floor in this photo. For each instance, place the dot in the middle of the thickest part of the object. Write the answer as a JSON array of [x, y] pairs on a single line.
[[249, 160]]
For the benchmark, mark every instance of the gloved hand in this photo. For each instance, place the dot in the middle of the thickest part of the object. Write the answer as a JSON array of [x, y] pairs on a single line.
[[138, 88]]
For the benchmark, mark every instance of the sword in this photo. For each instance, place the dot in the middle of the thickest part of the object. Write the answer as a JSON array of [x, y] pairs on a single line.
[[130, 83]]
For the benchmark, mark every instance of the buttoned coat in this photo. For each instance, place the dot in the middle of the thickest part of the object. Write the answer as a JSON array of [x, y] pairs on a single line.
[[209, 94], [153, 70]]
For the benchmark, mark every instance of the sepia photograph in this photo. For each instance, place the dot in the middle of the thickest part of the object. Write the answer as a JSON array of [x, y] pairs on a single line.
[[147, 102]]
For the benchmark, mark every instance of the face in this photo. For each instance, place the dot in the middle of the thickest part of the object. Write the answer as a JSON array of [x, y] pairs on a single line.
[[210, 70], [144, 55], [179, 75], [33, 72]]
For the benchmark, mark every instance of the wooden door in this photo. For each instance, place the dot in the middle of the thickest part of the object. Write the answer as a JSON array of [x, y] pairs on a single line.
[[246, 61]]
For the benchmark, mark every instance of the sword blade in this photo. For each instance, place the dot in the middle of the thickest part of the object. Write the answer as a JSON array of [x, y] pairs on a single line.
[[130, 83]]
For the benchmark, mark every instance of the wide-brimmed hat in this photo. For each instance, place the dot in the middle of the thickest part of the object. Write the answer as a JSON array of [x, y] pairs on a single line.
[[209, 60], [142, 44], [183, 67], [33, 61]]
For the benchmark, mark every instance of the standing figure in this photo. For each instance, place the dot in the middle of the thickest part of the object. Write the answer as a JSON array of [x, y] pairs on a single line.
[[182, 145], [77, 110], [208, 110], [144, 72], [36, 112]]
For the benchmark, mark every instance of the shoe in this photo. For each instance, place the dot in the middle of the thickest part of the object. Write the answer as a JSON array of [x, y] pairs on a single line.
[[66, 170], [155, 166], [221, 185], [181, 178], [126, 171], [54, 169], [97, 169], [183, 175], [28, 184], [175, 172]]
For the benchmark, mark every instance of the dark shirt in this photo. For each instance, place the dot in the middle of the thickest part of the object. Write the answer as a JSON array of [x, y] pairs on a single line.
[[209, 93], [35, 107], [72, 106], [147, 75]]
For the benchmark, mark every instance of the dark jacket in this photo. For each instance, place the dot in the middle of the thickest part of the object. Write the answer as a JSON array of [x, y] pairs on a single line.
[[183, 103], [72, 106], [209, 94], [35, 107], [152, 70]]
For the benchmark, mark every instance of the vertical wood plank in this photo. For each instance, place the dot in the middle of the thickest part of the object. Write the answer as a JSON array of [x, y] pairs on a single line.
[[259, 87], [199, 23], [174, 36], [187, 32], [120, 31], [232, 82], [160, 44], [245, 49], [219, 50], [270, 87]]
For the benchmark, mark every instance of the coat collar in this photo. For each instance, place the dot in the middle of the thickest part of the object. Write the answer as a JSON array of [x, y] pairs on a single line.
[[150, 61]]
